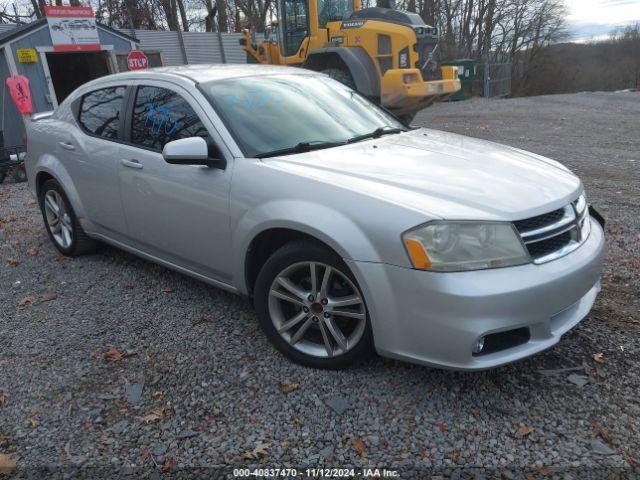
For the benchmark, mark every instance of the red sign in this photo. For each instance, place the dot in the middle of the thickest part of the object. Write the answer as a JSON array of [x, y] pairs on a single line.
[[137, 60], [72, 28], [73, 12], [20, 92]]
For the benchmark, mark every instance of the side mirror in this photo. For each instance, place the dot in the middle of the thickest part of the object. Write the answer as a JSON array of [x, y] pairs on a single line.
[[192, 151]]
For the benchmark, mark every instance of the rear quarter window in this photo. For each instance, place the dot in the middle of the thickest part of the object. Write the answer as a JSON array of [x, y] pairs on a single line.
[[101, 110]]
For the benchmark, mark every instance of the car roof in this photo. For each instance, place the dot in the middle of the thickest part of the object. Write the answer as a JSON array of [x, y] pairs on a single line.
[[209, 72]]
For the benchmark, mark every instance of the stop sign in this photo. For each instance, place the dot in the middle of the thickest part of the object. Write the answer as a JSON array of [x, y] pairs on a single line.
[[137, 60]]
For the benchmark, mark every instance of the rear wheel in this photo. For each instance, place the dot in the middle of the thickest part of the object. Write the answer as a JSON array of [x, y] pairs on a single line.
[[342, 76], [311, 309], [61, 222]]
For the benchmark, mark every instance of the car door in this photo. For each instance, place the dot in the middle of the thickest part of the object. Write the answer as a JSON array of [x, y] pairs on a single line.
[[92, 151], [179, 213]]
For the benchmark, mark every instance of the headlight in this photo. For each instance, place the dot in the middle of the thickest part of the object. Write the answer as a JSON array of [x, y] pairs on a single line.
[[450, 246]]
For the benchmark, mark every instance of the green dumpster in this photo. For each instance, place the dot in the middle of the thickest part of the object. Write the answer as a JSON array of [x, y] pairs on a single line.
[[466, 73]]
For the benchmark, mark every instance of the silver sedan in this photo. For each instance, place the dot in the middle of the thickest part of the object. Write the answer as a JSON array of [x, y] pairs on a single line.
[[350, 231]]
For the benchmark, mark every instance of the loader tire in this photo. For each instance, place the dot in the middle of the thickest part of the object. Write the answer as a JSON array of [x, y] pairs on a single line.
[[342, 76]]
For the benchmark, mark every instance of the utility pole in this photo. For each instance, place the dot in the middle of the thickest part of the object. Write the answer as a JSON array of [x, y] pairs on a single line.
[[216, 25], [485, 68], [174, 13]]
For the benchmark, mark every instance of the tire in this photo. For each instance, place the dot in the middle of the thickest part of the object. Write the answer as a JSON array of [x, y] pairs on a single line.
[[3, 175], [407, 118], [342, 76], [20, 175], [300, 329], [67, 236]]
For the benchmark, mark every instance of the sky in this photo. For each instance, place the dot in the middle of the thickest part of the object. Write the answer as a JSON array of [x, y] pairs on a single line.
[[597, 18]]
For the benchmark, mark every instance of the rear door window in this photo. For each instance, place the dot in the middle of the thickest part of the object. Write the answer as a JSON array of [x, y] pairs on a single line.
[[100, 112], [160, 116]]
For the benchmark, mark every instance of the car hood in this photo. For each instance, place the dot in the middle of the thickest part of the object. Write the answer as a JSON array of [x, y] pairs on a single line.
[[442, 174]]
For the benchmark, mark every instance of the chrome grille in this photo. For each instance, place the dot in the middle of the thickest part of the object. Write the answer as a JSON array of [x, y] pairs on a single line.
[[557, 233]]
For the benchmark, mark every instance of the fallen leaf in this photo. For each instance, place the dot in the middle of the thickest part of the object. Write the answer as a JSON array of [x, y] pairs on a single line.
[[298, 421], [359, 447], [48, 296], [146, 453], [33, 421], [28, 300], [8, 463], [169, 464], [203, 319], [13, 261], [32, 201], [603, 433], [112, 354], [157, 394], [598, 357], [157, 414], [287, 387], [4, 398], [32, 252], [252, 328], [523, 431], [167, 289], [259, 451], [442, 427]]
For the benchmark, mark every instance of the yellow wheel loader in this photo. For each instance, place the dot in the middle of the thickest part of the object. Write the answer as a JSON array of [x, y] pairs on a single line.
[[388, 55]]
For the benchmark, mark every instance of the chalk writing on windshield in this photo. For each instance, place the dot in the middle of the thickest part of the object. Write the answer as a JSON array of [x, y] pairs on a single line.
[[251, 100]]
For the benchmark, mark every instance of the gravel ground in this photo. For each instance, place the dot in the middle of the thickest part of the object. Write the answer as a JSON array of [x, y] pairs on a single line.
[[197, 385]]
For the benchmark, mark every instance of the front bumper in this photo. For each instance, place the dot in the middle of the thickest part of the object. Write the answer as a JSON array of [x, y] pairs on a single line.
[[436, 318], [397, 95]]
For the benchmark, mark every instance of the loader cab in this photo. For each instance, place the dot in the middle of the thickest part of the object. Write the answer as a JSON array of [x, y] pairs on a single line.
[[334, 11], [294, 28], [301, 21]]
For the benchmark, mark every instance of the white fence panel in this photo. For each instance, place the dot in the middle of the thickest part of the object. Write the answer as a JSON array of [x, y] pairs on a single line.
[[232, 50], [164, 41], [201, 47]]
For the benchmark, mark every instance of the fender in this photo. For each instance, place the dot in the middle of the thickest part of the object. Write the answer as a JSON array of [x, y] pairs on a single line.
[[51, 165], [362, 68], [345, 237]]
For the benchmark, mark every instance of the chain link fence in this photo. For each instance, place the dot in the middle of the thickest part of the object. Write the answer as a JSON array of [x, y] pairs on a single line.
[[497, 83]]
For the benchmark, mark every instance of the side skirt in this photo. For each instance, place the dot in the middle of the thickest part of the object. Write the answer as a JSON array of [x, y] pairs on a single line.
[[164, 263]]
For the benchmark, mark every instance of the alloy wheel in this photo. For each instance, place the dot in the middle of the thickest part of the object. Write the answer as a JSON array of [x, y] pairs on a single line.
[[317, 309], [58, 219]]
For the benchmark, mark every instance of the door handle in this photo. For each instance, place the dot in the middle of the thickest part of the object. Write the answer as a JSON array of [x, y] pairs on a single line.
[[67, 145], [131, 163]]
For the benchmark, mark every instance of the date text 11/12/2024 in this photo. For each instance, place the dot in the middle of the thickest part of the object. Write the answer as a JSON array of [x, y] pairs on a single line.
[[315, 473]]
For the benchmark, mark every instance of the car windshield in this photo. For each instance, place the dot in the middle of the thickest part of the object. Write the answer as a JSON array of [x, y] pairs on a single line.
[[271, 113]]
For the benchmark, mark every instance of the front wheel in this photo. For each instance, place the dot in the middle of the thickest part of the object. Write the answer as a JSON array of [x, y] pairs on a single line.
[[311, 309]]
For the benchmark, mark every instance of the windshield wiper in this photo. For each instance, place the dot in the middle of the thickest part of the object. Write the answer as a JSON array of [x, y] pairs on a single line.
[[377, 133], [300, 148]]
